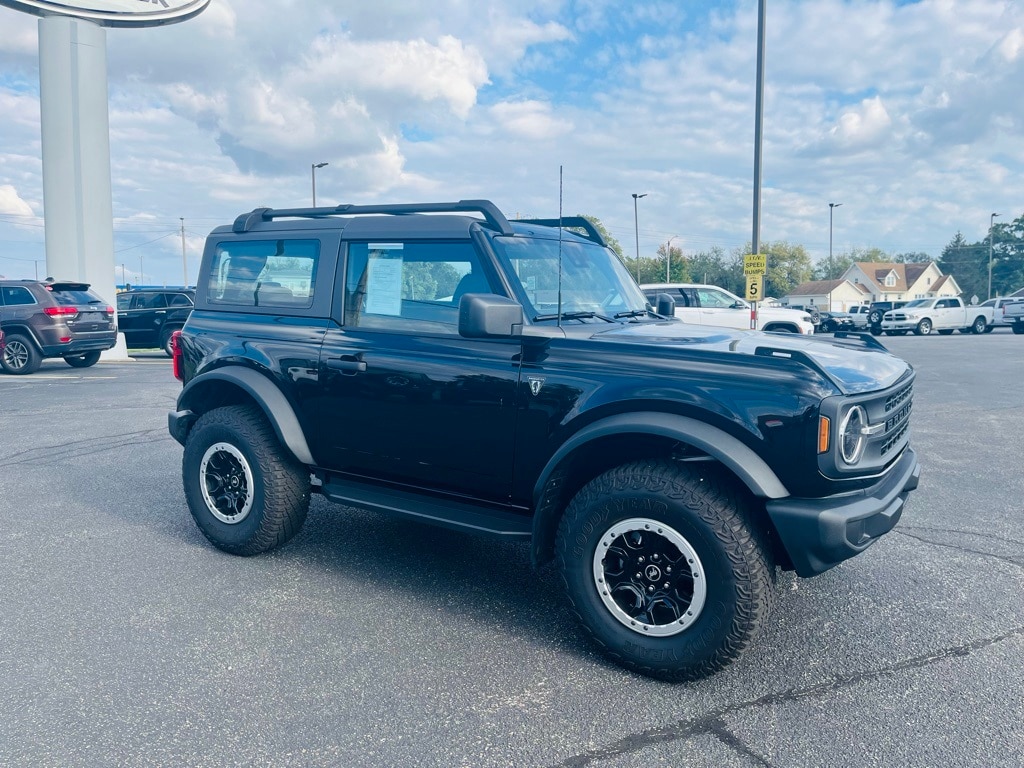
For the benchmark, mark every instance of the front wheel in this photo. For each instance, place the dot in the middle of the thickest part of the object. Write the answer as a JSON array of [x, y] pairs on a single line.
[[85, 360], [246, 494], [924, 327], [663, 569]]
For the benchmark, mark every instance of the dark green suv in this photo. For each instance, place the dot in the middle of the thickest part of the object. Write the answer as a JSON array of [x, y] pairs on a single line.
[[52, 318]]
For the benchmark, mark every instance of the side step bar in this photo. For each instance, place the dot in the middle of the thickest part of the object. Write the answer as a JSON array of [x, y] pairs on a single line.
[[458, 515]]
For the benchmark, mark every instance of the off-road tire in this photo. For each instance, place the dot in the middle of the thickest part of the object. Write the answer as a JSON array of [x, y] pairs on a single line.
[[84, 360], [244, 463], [20, 355], [698, 504]]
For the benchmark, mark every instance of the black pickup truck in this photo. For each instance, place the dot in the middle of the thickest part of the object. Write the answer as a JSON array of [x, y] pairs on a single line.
[[441, 363]]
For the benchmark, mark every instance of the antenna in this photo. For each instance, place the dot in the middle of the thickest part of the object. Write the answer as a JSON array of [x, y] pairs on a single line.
[[559, 246]]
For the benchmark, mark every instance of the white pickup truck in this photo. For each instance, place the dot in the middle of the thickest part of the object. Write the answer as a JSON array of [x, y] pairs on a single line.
[[945, 315], [711, 305], [1013, 314]]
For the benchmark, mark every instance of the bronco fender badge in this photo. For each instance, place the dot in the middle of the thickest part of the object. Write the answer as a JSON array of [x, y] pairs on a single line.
[[536, 383]]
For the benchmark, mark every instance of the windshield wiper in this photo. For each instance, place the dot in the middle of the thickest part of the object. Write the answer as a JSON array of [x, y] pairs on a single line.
[[573, 316], [631, 313]]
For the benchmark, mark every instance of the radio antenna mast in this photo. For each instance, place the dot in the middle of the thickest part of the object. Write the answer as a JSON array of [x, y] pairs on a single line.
[[559, 246]]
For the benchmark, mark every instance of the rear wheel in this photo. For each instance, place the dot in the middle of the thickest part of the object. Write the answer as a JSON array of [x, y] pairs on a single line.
[[979, 324], [1018, 328], [84, 360], [246, 494], [20, 355], [663, 569], [165, 340]]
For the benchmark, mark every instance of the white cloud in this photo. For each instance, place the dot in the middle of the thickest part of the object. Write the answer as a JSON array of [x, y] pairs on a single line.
[[905, 112], [863, 127], [530, 120], [11, 203]]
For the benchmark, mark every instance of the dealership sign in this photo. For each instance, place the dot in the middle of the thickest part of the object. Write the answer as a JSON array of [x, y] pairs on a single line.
[[114, 13]]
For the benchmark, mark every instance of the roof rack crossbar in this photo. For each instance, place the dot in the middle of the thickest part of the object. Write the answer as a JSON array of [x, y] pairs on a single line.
[[492, 215], [570, 221]]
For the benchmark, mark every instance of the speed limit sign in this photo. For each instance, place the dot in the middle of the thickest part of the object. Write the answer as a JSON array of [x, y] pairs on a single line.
[[755, 288]]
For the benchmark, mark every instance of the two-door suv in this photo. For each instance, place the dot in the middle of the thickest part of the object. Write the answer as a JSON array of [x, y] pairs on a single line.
[[443, 364], [53, 318]]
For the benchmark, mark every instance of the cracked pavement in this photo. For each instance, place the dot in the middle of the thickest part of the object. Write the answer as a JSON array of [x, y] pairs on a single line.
[[366, 642]]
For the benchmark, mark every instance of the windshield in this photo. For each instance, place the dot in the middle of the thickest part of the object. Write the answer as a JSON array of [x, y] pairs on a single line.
[[917, 303], [593, 278]]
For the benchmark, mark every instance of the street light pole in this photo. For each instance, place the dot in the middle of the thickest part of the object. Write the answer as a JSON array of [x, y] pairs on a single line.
[[991, 223], [668, 259], [636, 229], [184, 258], [312, 171], [831, 208]]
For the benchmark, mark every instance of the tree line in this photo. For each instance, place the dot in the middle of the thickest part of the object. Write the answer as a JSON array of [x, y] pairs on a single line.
[[789, 264]]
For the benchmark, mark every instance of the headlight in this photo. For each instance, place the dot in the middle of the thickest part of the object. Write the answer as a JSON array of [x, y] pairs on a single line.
[[853, 433]]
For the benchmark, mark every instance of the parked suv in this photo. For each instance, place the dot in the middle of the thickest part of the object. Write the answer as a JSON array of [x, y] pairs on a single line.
[[50, 318], [444, 365], [148, 317], [877, 310]]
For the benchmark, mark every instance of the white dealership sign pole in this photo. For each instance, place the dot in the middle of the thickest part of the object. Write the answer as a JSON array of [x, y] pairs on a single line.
[[76, 132]]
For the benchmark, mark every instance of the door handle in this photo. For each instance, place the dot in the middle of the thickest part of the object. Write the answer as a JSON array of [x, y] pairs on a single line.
[[347, 363]]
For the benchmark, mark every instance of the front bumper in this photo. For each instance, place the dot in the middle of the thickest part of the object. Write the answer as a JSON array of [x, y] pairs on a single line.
[[818, 534], [179, 423], [899, 325]]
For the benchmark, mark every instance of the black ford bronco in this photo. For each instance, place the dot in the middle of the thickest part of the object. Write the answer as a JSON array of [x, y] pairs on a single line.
[[441, 363]]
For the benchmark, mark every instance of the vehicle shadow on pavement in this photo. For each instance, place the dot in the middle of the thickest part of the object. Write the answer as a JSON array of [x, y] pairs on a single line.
[[477, 579]]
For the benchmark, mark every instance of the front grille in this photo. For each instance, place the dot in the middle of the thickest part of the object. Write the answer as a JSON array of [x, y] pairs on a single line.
[[889, 413]]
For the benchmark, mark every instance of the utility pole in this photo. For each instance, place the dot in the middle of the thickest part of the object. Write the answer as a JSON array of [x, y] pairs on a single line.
[[991, 223], [184, 258]]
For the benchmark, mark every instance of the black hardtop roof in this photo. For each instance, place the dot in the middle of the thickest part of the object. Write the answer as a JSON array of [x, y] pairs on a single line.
[[416, 220]]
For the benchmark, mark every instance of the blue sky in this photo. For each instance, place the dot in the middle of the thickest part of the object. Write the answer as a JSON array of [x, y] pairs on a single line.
[[907, 113]]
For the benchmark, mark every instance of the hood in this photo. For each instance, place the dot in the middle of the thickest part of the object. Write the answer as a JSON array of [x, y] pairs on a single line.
[[857, 364]]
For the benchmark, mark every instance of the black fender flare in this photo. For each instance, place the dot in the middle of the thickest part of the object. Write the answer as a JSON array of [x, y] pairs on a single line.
[[739, 458], [267, 396]]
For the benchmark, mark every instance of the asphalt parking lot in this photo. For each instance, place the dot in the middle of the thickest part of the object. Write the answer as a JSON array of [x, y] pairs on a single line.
[[129, 641]]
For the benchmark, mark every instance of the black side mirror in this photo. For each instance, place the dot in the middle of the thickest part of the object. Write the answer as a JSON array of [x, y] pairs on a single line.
[[666, 306], [486, 315]]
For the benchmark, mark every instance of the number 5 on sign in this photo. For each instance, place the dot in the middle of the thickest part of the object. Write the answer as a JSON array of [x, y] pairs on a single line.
[[755, 288]]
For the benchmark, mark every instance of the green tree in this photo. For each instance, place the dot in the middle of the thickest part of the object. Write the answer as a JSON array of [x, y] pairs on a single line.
[[843, 261], [679, 265], [967, 263], [788, 266], [608, 237]]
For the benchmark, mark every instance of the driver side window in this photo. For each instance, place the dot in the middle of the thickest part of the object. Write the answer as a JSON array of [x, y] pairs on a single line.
[[413, 287]]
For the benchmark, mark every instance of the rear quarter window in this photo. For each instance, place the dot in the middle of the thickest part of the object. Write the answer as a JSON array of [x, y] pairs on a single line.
[[264, 273]]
